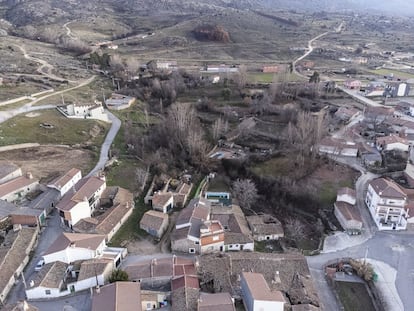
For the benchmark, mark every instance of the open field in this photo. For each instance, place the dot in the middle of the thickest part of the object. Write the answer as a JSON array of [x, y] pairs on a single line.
[[354, 296], [63, 131], [48, 162]]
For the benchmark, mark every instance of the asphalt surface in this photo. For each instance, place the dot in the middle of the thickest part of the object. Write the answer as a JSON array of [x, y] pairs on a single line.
[[104, 155]]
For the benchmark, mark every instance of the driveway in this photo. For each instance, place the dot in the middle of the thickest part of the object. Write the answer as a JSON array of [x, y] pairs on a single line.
[[104, 155]]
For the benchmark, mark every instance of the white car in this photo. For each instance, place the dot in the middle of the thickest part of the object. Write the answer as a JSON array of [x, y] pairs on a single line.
[[40, 264]]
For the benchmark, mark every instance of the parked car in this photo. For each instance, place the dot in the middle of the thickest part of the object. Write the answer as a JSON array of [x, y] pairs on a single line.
[[40, 265]]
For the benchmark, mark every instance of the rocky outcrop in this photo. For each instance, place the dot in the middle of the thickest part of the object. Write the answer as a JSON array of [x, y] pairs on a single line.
[[211, 33]]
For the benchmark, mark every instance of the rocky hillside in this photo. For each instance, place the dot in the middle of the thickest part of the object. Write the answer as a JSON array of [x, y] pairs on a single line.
[[24, 12], [211, 33]]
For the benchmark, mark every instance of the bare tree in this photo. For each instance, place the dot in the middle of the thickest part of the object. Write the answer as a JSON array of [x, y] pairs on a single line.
[[132, 65], [294, 228], [115, 62], [29, 32], [245, 192], [141, 176], [305, 134], [185, 130], [220, 127], [241, 77]]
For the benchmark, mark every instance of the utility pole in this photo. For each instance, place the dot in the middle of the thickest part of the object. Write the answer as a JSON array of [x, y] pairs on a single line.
[[366, 255]]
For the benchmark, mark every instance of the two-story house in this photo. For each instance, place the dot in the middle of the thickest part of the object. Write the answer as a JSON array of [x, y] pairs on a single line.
[[194, 232], [387, 204], [67, 181], [80, 202]]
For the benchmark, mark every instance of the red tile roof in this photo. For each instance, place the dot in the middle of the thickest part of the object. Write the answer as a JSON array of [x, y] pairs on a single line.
[[85, 188], [259, 289], [90, 241], [185, 281], [386, 188], [119, 296]]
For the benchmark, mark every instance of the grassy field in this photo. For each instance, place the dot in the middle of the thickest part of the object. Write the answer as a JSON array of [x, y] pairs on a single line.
[[28, 129], [354, 296], [280, 166], [130, 229], [123, 174], [15, 91], [260, 77]]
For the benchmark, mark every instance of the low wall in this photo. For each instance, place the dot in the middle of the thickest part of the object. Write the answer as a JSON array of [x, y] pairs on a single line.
[[19, 146]]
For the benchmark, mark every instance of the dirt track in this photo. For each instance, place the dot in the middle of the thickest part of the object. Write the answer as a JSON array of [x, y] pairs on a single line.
[[48, 162]]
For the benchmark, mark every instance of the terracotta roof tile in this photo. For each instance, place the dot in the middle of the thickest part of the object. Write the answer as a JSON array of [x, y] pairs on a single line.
[[386, 188], [153, 219], [259, 289], [119, 296], [349, 211], [91, 241], [215, 302]]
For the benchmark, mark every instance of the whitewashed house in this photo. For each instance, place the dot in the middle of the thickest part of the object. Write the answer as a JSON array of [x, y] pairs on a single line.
[[16, 189], [392, 142], [93, 110], [346, 212], [9, 171], [257, 295], [387, 204], [347, 195], [70, 247], [64, 183], [59, 279], [81, 200]]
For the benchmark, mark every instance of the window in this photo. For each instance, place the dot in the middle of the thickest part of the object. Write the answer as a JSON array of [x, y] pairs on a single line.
[[196, 242], [191, 250], [215, 238], [47, 291]]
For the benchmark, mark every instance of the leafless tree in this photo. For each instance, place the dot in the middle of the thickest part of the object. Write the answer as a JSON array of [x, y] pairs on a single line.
[[29, 32], [141, 177], [245, 192], [185, 130], [220, 127], [132, 65], [305, 134], [241, 77], [115, 62], [49, 35], [294, 228]]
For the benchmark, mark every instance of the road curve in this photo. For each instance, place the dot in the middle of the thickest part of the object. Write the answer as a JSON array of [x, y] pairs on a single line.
[[104, 154]]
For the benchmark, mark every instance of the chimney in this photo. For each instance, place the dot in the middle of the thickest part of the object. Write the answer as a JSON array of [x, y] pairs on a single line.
[[29, 175]]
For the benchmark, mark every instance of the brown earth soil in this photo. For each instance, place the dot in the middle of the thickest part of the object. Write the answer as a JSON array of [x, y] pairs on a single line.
[[48, 162]]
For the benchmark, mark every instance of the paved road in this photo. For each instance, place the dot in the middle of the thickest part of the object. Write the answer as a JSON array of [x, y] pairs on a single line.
[[359, 98], [395, 249], [104, 155], [46, 238]]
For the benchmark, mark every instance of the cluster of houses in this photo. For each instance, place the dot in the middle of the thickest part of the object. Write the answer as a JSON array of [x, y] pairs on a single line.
[[209, 223], [96, 109], [75, 261], [178, 280], [386, 88]]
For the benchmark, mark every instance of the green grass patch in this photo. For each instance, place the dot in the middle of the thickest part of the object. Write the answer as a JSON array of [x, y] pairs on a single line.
[[130, 230], [268, 246], [354, 296], [63, 131], [328, 190], [260, 77], [123, 174], [280, 166]]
